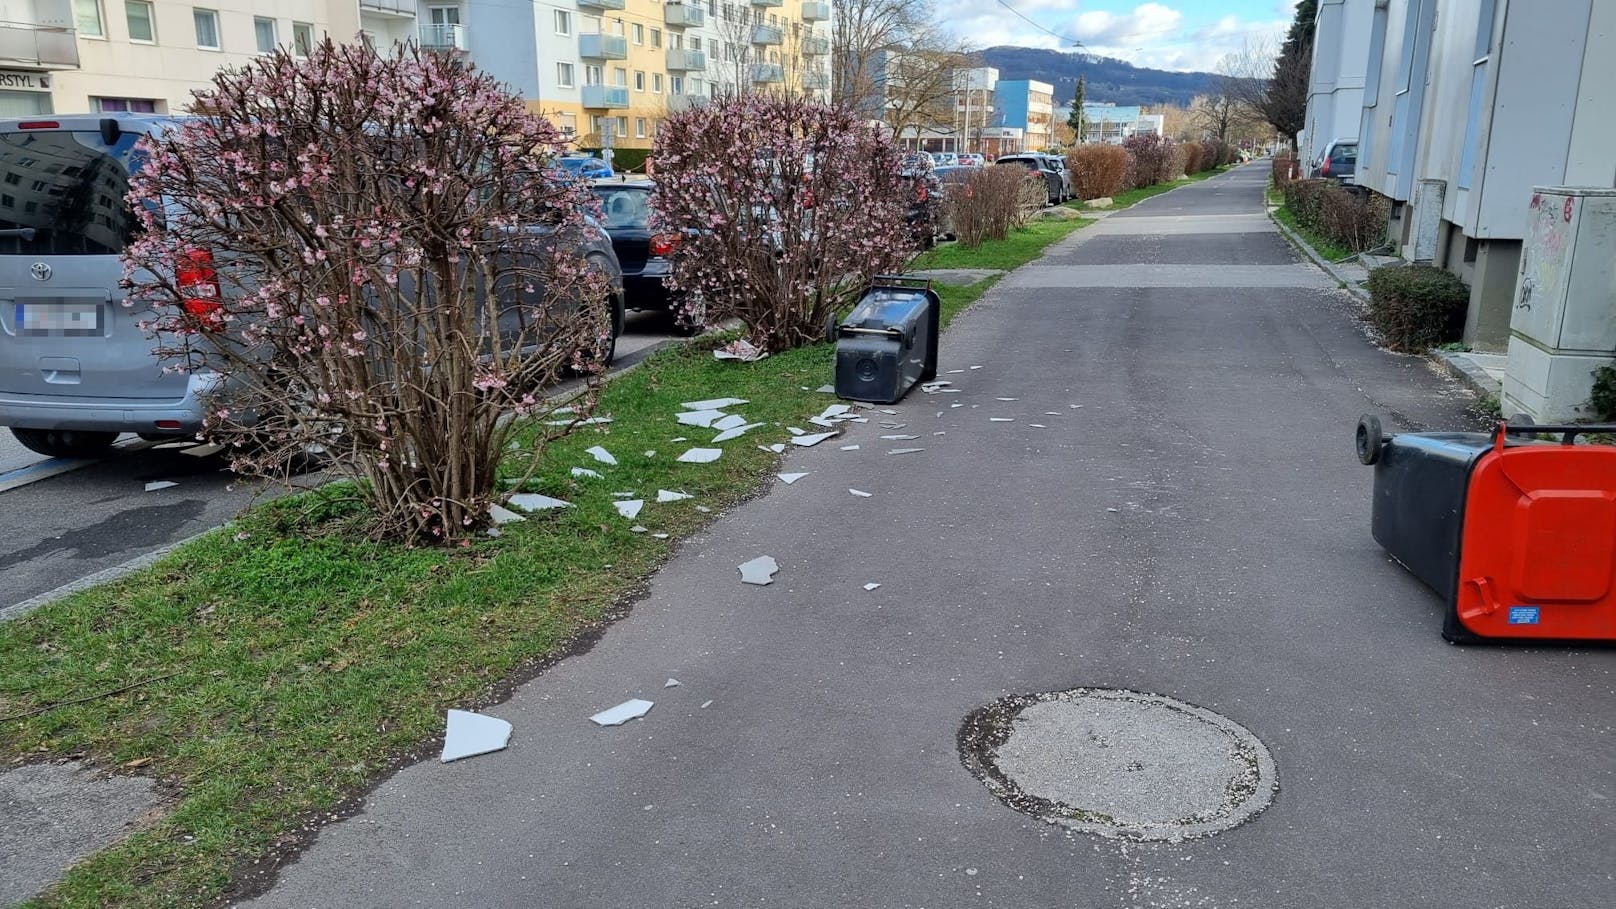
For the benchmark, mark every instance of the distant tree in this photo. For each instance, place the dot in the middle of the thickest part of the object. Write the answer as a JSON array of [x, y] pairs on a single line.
[[1075, 119], [920, 89], [1284, 103], [866, 34]]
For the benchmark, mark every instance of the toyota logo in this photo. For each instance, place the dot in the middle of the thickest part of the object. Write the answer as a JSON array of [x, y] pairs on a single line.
[[41, 271]]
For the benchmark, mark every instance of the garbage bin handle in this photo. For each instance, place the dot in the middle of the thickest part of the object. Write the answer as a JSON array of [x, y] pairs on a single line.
[[883, 332], [1568, 432]]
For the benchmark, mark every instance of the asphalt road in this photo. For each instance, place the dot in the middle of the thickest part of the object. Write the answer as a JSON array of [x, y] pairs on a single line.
[[90, 518], [1198, 528]]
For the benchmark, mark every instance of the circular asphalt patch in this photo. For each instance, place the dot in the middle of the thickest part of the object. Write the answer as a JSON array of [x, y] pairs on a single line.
[[1119, 763]]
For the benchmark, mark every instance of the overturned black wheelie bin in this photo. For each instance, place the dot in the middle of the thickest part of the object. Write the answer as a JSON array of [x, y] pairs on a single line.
[[888, 342], [1515, 529]]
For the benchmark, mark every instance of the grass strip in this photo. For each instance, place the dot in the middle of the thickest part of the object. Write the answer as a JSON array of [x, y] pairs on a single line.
[[290, 663], [1132, 196], [1328, 249]]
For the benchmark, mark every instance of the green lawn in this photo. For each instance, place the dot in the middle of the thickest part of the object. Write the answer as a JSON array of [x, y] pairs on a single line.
[[1130, 196], [284, 663], [1020, 246]]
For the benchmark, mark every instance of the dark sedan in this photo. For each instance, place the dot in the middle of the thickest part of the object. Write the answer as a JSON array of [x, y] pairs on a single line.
[[645, 256]]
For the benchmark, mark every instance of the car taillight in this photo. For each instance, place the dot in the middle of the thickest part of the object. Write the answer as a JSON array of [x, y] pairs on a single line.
[[664, 244], [1326, 171], [922, 193], [199, 287], [39, 124]]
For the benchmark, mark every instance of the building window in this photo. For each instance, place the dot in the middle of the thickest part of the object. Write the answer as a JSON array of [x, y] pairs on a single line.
[[594, 124], [639, 127], [9, 202], [564, 75], [639, 33], [264, 34], [569, 124], [656, 83], [563, 22], [132, 105], [594, 75], [622, 126], [138, 13], [87, 18], [656, 37], [694, 42], [207, 28], [302, 38], [639, 81], [676, 85], [620, 77]]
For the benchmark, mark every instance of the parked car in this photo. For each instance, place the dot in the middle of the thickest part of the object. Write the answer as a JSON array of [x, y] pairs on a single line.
[[951, 184], [1338, 161], [644, 255], [1059, 163], [925, 204], [76, 368], [972, 159], [1043, 167], [586, 166], [944, 159]]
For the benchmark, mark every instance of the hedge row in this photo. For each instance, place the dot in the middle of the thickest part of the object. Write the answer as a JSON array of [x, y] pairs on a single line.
[[1354, 220]]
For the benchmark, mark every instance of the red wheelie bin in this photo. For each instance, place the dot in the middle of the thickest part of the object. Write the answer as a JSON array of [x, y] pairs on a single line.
[[1515, 533]]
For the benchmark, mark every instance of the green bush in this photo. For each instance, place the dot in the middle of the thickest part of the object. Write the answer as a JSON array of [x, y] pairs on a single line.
[[1417, 307], [1603, 398], [1356, 221]]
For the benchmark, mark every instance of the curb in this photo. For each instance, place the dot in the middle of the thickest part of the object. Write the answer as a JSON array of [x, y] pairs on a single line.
[[1466, 370], [1312, 254]]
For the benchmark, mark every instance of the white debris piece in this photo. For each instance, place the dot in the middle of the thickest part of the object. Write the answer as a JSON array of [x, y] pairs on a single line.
[[956, 405], [667, 495], [976, 367], [789, 478], [650, 452], [815, 439], [778, 447], [671, 683], [795, 431], [1001, 419], [1074, 405], [759, 571], [953, 371], [1051, 413], [1037, 426], [660, 536], [704, 509], [701, 455], [904, 451], [624, 495], [638, 528], [706, 704], [850, 448], [600, 454], [729, 422], [1006, 399], [826, 389], [887, 411], [589, 422], [735, 433], [629, 509], [586, 472], [203, 451], [899, 438], [160, 484], [834, 410], [871, 586], [740, 349], [702, 418], [678, 439], [532, 501], [714, 404], [468, 734], [503, 515], [821, 421], [631, 709], [860, 493]]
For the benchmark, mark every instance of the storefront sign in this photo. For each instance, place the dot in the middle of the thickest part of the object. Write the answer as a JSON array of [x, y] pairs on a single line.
[[18, 80]]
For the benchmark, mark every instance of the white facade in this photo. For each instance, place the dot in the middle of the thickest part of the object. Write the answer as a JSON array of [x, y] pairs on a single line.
[[1335, 91]]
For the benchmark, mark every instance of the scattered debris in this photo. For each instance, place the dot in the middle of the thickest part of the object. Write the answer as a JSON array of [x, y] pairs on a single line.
[[899, 438], [1001, 419], [532, 501], [729, 422], [678, 439], [886, 410], [586, 472], [468, 734], [704, 509], [702, 418], [871, 586], [904, 451], [660, 536], [600, 454], [638, 528], [795, 431], [706, 704], [834, 410], [629, 509], [672, 683], [976, 367], [1037, 426], [778, 447], [650, 452], [808, 441], [789, 478], [740, 349], [203, 451], [631, 709], [736, 432], [1006, 399], [826, 389], [714, 404], [701, 455], [624, 495], [160, 484], [759, 571], [1114, 510], [589, 422], [850, 448], [860, 493], [664, 496], [503, 515], [1051, 413]]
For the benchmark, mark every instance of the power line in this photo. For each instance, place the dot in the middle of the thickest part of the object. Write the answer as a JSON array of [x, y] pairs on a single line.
[[1074, 42]]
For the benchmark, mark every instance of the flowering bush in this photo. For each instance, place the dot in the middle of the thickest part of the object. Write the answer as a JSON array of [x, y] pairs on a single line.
[[368, 253], [785, 208]]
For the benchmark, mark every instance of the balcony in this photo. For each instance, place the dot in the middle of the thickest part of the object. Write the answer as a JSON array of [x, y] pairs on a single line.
[[816, 11], [602, 4], [815, 46], [768, 72], [677, 103], [605, 97], [767, 34], [440, 36], [768, 2], [680, 15], [389, 7], [41, 46], [595, 46], [815, 81], [685, 60]]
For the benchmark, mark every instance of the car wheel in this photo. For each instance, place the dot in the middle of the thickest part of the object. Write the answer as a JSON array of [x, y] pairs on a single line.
[[66, 443]]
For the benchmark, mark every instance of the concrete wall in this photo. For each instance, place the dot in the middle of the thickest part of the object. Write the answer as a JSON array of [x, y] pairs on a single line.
[[1340, 65]]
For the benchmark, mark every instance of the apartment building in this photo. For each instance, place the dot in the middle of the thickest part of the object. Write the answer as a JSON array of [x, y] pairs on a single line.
[[1335, 89], [1027, 105], [606, 71]]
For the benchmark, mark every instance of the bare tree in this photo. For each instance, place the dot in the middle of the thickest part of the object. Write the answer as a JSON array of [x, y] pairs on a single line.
[[866, 34], [920, 88]]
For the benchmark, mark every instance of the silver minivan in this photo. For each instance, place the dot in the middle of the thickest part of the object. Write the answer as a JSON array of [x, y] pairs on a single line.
[[76, 368]]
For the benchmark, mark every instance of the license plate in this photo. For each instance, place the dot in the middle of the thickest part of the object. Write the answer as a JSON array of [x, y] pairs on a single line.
[[71, 320]]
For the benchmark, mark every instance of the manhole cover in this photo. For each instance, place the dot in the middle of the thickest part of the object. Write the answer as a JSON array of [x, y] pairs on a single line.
[[1119, 763]]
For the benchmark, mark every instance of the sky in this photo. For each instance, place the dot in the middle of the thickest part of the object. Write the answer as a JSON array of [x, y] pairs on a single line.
[[1170, 34]]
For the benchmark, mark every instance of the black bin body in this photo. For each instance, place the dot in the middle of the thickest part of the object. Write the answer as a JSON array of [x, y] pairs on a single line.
[[888, 343], [1421, 483]]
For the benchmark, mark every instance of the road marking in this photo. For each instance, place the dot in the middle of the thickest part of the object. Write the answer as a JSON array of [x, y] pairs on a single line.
[[43, 470]]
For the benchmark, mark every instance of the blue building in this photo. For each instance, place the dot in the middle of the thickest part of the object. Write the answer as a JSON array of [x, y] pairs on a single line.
[[1027, 105]]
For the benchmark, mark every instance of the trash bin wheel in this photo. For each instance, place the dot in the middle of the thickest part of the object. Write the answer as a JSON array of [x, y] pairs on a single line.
[[830, 327], [1369, 439]]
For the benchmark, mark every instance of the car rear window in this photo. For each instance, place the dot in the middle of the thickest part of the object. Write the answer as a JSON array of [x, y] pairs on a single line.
[[68, 188], [624, 208]]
